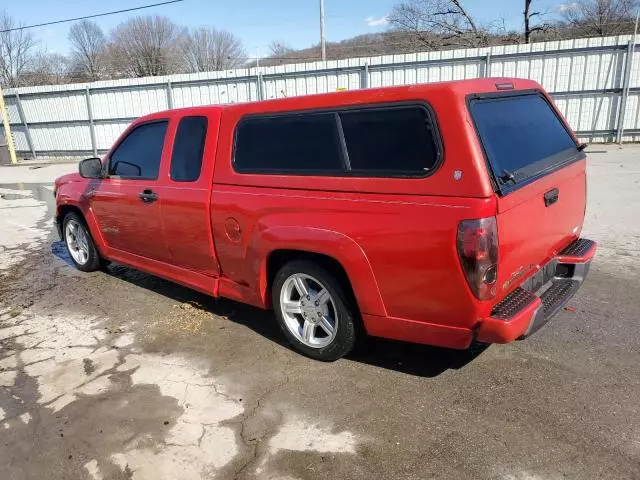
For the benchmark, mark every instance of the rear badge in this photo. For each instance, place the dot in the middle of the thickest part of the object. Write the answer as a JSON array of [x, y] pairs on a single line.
[[519, 273]]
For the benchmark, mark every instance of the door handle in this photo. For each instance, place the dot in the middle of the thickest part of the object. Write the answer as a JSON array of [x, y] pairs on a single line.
[[551, 197], [148, 196]]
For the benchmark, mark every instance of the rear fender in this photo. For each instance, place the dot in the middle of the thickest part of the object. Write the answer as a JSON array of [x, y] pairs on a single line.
[[325, 242]]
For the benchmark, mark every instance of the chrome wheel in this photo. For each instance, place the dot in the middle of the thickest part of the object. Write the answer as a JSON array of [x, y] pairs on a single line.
[[77, 242], [308, 310]]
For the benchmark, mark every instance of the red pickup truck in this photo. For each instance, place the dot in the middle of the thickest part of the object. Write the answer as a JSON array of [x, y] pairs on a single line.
[[442, 214]]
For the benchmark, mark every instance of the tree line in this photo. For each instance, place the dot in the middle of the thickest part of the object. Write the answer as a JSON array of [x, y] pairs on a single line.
[[448, 23], [138, 47], [155, 45], [426, 25]]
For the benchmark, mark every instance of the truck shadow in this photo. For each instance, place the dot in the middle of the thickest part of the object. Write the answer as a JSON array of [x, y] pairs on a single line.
[[412, 359]]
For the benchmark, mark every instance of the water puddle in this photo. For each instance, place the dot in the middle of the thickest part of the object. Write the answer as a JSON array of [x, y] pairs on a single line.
[[29, 195], [42, 192]]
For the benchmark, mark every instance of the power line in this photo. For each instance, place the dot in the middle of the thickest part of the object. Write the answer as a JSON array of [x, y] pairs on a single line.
[[91, 16]]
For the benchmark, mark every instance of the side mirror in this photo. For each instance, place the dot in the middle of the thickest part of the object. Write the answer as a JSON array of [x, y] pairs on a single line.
[[90, 168]]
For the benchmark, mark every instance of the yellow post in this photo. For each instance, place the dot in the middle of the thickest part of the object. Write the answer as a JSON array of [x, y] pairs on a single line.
[[7, 128]]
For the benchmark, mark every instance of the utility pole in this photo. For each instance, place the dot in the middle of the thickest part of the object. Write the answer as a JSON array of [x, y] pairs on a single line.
[[323, 45], [627, 81], [257, 57], [7, 128]]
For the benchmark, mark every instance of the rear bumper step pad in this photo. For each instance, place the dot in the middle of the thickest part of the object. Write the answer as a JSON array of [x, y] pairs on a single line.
[[553, 300], [521, 313], [513, 303], [580, 251]]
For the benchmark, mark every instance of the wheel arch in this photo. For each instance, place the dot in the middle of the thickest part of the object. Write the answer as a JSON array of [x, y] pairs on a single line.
[[64, 208], [334, 251], [279, 258]]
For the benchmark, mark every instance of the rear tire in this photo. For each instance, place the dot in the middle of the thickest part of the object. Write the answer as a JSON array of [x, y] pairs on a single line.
[[77, 238], [313, 311]]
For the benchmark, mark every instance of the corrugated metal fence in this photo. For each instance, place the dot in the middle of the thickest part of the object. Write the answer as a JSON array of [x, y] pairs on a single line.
[[592, 80]]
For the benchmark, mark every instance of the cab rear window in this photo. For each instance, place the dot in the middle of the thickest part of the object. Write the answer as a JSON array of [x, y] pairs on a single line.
[[305, 143], [396, 140], [522, 136]]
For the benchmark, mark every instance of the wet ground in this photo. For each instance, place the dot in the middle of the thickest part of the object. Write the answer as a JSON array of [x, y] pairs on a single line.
[[118, 374]]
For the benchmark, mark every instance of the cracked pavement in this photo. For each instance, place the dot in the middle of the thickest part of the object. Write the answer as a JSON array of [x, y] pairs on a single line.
[[117, 374]]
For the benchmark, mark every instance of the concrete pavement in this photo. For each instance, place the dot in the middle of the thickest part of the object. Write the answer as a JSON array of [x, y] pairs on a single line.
[[119, 374]]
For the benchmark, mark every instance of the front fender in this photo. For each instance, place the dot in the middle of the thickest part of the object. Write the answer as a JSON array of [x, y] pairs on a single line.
[[336, 245], [73, 195]]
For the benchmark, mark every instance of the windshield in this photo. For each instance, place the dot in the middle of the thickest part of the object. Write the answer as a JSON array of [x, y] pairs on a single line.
[[522, 136]]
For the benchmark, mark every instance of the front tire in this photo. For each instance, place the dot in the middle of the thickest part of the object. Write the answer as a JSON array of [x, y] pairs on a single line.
[[77, 238], [313, 311]]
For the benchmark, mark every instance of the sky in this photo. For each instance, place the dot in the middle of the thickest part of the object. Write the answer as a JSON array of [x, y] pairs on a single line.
[[256, 22]]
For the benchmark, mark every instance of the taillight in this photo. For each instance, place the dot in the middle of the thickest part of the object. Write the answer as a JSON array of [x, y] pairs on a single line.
[[478, 252]]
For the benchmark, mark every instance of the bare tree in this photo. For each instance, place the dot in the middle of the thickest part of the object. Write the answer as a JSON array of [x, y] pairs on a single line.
[[438, 23], [279, 48], [145, 46], [600, 17], [87, 49], [16, 49], [280, 52], [207, 49], [529, 15], [46, 69]]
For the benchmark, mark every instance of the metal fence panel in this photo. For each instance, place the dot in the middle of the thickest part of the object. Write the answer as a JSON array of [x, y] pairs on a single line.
[[191, 95], [635, 69], [127, 103], [20, 138], [585, 76], [67, 137], [12, 109], [632, 112], [65, 106], [587, 113], [108, 132]]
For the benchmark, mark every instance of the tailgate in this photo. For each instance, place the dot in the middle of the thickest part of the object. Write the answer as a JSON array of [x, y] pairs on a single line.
[[538, 171], [531, 230]]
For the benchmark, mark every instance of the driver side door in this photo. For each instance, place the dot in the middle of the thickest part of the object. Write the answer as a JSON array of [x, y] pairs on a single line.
[[126, 203]]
